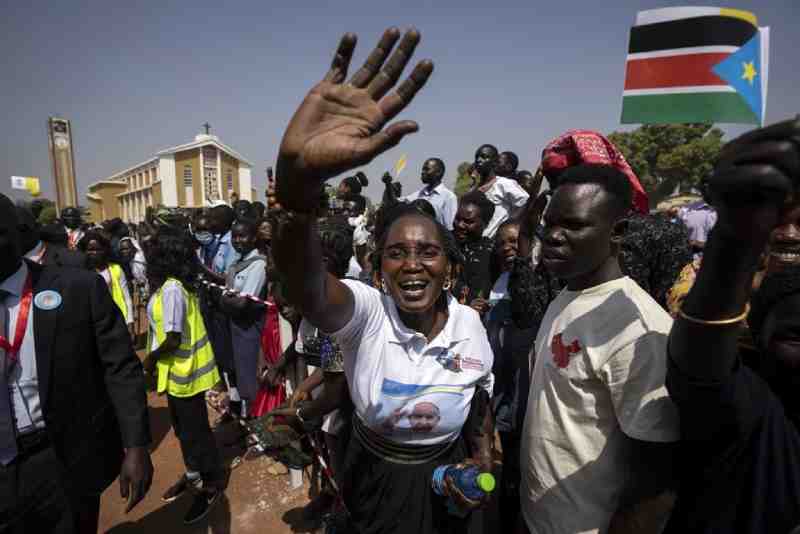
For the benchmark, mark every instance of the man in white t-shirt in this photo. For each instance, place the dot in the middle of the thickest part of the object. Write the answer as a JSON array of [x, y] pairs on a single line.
[[599, 430], [506, 194], [444, 201]]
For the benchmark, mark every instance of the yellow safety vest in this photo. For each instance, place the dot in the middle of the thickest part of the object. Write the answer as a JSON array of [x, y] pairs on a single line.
[[116, 289], [191, 369]]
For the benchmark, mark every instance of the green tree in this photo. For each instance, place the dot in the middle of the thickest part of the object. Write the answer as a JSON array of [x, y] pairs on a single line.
[[669, 155], [43, 208], [48, 215], [463, 179]]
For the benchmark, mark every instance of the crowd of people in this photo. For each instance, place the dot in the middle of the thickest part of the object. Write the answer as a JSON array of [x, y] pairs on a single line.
[[619, 369]]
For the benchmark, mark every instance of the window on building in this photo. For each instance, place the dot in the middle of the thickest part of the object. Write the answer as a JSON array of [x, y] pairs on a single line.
[[229, 178], [187, 176]]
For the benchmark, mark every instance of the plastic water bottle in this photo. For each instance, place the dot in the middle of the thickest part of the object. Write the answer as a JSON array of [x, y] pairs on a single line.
[[469, 480]]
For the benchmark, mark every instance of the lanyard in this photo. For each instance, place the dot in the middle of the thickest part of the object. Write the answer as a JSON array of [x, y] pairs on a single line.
[[22, 322]]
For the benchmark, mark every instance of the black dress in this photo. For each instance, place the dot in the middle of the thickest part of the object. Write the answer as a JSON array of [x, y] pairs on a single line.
[[383, 497]]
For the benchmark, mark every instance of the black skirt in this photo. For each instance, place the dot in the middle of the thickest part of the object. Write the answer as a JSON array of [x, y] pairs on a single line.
[[384, 497]]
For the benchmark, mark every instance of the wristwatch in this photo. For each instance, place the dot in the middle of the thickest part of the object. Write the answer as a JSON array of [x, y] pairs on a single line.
[[300, 417]]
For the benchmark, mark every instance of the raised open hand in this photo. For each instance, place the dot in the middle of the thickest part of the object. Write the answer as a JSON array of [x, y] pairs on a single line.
[[340, 126]]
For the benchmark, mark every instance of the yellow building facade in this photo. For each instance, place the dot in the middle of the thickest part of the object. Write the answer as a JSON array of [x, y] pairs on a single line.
[[102, 200], [202, 173]]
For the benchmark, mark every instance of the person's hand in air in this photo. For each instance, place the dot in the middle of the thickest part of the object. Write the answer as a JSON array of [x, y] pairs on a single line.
[[343, 125]]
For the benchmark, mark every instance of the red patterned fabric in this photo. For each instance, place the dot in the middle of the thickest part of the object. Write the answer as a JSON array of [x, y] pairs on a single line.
[[585, 146], [269, 398]]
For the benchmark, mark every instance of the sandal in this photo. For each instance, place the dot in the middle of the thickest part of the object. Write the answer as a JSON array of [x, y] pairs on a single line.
[[273, 437]]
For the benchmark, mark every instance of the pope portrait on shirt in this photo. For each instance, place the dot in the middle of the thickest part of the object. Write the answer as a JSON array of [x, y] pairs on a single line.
[[418, 409]]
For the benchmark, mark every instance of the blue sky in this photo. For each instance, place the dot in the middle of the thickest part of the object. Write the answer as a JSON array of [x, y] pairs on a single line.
[[137, 77]]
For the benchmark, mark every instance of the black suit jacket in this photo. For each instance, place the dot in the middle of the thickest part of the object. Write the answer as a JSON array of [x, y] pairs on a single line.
[[90, 380], [59, 256]]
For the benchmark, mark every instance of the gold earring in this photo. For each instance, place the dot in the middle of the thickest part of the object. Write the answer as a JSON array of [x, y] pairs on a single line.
[[383, 285]]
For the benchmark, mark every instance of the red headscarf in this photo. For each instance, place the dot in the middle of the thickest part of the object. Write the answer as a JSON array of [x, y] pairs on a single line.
[[585, 146]]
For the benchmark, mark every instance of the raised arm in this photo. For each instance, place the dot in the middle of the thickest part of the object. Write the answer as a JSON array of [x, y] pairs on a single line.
[[338, 126], [389, 193], [528, 222], [755, 180]]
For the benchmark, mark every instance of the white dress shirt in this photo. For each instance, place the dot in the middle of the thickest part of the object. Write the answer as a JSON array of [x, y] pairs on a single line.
[[23, 382], [443, 201], [508, 198]]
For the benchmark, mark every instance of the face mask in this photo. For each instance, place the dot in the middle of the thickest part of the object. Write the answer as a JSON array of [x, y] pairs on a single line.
[[204, 238]]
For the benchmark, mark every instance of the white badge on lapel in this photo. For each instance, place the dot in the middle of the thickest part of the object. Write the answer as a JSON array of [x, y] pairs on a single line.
[[47, 300]]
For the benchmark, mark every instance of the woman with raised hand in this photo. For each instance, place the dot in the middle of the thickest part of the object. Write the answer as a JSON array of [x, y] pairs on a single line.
[[416, 361]]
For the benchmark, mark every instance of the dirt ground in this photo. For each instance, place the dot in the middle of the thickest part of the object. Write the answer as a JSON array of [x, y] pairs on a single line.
[[255, 501]]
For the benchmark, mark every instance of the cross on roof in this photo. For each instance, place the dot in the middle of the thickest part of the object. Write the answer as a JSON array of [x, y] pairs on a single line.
[[207, 127]]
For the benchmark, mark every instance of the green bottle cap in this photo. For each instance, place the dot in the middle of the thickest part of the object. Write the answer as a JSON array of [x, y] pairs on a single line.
[[486, 482]]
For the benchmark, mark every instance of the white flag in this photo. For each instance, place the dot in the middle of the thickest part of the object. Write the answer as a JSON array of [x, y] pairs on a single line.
[[19, 182]]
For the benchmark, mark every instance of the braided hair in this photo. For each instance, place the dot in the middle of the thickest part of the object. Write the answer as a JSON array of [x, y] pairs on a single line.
[[172, 254], [405, 209], [775, 287], [336, 237], [476, 198], [356, 182], [96, 235]]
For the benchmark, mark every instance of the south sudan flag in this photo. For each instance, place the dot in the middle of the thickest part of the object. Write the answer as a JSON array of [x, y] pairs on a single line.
[[696, 64]]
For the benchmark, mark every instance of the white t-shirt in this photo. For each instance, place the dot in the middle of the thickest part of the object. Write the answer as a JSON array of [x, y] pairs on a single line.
[[508, 198], [599, 377], [173, 311], [403, 387], [354, 268]]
